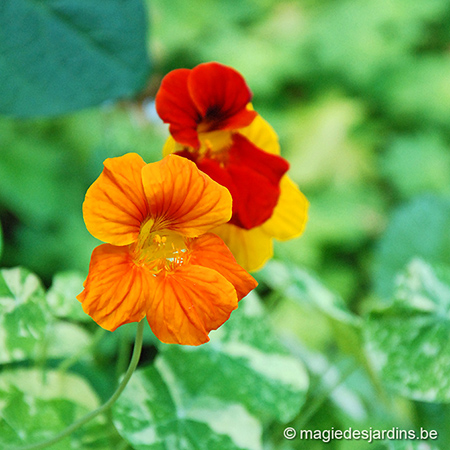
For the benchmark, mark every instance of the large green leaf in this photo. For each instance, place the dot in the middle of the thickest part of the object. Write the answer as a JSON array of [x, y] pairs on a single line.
[[24, 316], [244, 363], [418, 229], [408, 341], [59, 56], [155, 413], [35, 406], [203, 396]]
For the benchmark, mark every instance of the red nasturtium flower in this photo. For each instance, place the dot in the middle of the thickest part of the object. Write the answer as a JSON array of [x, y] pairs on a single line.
[[160, 260], [213, 124]]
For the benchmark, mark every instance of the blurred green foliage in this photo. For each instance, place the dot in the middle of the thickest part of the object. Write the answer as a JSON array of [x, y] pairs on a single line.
[[357, 309]]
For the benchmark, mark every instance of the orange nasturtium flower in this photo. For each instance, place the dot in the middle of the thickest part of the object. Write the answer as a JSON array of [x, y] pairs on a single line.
[[212, 123], [160, 260]]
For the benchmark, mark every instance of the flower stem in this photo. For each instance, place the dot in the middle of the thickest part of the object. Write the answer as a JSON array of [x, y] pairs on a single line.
[[101, 409]]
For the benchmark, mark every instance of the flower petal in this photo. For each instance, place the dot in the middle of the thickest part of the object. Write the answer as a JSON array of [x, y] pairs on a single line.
[[184, 199], [175, 106], [171, 146], [210, 251], [261, 134], [221, 95], [188, 303], [116, 290], [115, 204], [251, 248], [291, 213], [252, 176]]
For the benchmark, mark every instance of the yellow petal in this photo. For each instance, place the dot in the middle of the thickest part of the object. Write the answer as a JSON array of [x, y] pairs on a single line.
[[251, 248], [188, 303], [291, 213], [171, 146], [261, 134], [183, 199], [116, 290], [115, 204]]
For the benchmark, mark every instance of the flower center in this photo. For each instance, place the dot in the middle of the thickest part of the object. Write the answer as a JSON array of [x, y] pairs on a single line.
[[160, 249]]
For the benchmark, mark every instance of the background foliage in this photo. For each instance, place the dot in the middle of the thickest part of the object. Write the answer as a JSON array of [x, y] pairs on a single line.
[[349, 326]]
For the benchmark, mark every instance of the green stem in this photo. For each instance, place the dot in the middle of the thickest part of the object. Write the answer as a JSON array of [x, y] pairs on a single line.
[[101, 409]]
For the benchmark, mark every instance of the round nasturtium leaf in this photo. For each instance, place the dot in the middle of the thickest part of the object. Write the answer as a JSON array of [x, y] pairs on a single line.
[[61, 56], [408, 341], [217, 395]]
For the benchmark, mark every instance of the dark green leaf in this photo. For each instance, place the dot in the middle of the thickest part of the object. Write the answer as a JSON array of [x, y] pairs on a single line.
[[58, 56]]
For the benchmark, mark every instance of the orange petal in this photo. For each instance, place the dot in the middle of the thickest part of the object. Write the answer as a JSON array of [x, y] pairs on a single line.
[[116, 290], [251, 248], [184, 199], [188, 303], [115, 204], [261, 134], [210, 251], [291, 213]]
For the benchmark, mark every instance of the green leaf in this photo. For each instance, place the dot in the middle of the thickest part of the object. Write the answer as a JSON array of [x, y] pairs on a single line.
[[418, 229], [154, 413], [407, 341], [37, 405], [24, 316], [306, 290], [244, 363], [60, 56], [300, 286], [208, 396], [61, 296]]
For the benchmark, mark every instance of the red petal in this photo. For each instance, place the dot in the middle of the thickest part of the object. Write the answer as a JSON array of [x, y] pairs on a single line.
[[221, 95], [175, 106], [253, 178]]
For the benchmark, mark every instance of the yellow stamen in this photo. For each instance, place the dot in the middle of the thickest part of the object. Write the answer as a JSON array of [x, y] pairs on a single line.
[[159, 249]]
